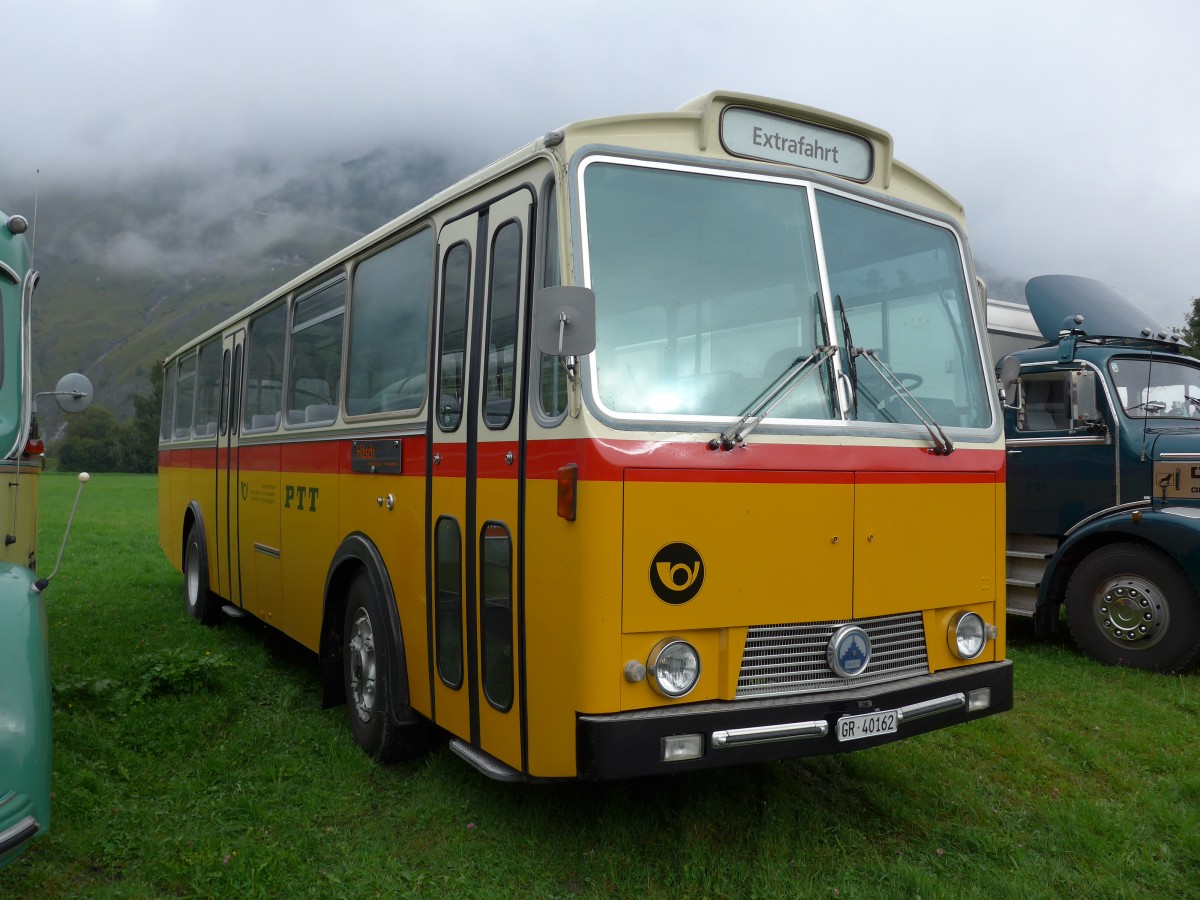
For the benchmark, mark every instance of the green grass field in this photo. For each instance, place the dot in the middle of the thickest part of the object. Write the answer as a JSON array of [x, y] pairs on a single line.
[[197, 762]]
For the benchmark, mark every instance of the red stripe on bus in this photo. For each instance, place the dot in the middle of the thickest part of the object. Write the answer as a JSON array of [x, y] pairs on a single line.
[[617, 460]]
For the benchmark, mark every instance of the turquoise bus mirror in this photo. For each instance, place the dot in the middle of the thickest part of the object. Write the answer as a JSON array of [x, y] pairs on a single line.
[[564, 320], [1010, 381], [73, 393]]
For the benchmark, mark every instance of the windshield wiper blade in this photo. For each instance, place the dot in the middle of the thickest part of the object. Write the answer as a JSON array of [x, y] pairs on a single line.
[[942, 445], [848, 341], [789, 378]]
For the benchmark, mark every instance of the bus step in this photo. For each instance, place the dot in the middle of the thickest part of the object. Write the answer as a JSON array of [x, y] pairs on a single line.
[[485, 762], [232, 611]]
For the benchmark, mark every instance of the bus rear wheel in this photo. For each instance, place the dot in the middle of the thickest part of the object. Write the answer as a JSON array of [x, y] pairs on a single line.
[[377, 727], [201, 604], [1131, 605]]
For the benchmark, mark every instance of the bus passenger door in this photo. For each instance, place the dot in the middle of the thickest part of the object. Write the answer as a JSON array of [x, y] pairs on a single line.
[[228, 581], [476, 461]]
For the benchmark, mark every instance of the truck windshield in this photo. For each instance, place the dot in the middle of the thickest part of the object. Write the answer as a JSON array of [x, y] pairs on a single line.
[[708, 289], [1157, 388]]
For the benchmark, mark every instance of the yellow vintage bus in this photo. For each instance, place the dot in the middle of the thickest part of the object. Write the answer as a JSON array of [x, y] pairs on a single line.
[[666, 442]]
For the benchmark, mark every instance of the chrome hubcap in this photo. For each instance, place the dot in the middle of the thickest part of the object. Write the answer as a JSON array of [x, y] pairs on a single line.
[[361, 650], [1131, 610], [193, 575]]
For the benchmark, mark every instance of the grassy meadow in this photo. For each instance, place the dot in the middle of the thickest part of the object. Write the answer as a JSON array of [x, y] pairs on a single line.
[[197, 762]]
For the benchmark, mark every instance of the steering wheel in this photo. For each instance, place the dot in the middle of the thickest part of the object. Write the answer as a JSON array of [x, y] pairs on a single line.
[[909, 380]]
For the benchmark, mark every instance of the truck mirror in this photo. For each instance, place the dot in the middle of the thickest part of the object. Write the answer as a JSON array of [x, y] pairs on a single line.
[[73, 393], [1010, 381], [1083, 396], [564, 320]]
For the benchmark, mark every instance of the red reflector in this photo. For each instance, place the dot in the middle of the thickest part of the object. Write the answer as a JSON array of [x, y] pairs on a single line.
[[568, 478], [35, 447]]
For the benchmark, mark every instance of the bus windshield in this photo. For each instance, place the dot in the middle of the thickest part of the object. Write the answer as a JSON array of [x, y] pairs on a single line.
[[708, 289]]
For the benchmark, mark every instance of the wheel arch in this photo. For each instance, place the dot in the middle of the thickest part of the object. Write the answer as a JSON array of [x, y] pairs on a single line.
[[357, 553], [1176, 536]]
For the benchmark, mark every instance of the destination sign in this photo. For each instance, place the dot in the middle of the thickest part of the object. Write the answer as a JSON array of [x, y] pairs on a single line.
[[761, 135], [376, 457]]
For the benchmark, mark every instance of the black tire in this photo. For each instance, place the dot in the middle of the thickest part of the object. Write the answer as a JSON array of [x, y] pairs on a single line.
[[384, 733], [1131, 605], [202, 605]]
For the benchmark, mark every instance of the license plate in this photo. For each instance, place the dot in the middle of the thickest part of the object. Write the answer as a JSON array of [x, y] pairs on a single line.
[[855, 728]]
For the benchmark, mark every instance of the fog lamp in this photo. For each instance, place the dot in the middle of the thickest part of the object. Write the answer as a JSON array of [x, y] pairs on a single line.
[[674, 667], [980, 698], [682, 746], [967, 635]]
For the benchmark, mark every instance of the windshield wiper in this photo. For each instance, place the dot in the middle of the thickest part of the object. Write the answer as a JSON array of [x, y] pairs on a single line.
[[941, 444], [789, 378], [848, 342]]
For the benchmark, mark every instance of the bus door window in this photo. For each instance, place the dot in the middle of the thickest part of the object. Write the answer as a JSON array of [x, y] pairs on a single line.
[[456, 273], [551, 383]]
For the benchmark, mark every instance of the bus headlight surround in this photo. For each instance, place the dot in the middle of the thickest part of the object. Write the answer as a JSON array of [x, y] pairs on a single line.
[[674, 668], [967, 635]]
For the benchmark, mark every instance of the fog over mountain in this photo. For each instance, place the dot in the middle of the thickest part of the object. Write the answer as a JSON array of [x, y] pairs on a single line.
[[133, 267]]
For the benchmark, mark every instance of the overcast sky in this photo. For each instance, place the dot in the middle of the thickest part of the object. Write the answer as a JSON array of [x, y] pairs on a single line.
[[1070, 131]]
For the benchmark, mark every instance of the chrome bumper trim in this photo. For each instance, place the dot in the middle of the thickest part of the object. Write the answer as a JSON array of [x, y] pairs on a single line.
[[788, 731], [932, 707]]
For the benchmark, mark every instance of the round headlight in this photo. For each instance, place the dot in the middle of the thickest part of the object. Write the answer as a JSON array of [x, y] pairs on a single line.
[[967, 635], [674, 667]]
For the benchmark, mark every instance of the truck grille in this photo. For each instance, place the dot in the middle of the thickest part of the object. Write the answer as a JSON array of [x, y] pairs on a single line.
[[790, 658]]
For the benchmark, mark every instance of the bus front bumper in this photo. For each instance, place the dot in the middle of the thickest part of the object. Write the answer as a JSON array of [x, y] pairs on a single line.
[[705, 735]]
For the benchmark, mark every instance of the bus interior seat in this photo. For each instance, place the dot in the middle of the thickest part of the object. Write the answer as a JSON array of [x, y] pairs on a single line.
[[264, 420], [320, 412]]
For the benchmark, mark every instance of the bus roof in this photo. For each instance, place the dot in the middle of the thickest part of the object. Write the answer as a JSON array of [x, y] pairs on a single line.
[[720, 125]]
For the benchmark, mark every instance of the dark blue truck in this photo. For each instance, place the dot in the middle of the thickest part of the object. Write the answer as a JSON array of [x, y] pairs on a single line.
[[1102, 425]]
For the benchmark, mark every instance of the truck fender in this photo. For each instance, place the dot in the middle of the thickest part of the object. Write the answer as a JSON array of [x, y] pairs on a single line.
[[1175, 530]]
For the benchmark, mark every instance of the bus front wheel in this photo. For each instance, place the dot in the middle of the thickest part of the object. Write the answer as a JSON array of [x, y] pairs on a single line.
[[365, 667], [201, 604], [1131, 605]]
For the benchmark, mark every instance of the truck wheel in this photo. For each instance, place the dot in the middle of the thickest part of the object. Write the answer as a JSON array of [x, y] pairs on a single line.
[[201, 604], [1131, 605], [365, 663]]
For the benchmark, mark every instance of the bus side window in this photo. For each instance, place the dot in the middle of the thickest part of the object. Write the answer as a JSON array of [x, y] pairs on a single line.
[[390, 306], [208, 390], [185, 396], [551, 387], [264, 370], [316, 364], [167, 429]]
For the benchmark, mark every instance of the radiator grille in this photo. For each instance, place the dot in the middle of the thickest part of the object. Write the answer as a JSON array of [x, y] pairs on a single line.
[[790, 659]]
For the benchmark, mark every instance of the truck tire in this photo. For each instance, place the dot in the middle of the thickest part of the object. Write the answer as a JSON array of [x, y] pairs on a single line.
[[1131, 605]]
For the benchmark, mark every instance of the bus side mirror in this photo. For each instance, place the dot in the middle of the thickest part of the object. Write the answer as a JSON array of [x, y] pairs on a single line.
[[1010, 382], [564, 320]]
